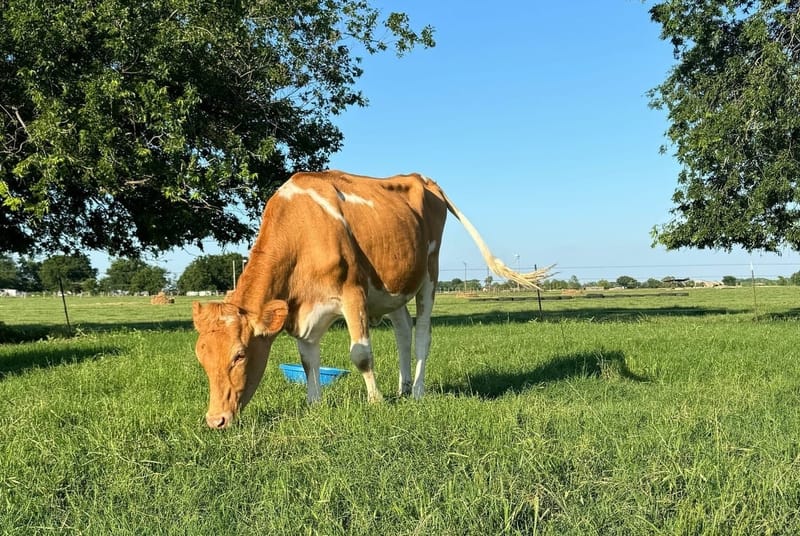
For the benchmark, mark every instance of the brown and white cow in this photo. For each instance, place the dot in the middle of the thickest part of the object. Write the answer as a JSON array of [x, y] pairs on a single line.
[[332, 245]]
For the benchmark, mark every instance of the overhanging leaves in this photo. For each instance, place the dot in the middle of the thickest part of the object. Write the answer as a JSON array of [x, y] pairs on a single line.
[[733, 101], [140, 126]]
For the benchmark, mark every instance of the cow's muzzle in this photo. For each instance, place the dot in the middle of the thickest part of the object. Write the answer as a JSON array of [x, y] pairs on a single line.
[[219, 421]]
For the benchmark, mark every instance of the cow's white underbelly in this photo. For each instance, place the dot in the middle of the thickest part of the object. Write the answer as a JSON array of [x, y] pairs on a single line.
[[380, 302]]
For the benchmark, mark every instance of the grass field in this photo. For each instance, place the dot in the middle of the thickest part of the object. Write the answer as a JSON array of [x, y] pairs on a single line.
[[637, 414]]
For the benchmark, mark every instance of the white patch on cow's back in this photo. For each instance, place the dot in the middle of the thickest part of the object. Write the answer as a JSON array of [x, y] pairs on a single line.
[[432, 246], [290, 189], [356, 199]]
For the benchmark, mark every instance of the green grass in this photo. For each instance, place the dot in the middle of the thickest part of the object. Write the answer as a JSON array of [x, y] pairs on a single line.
[[625, 415]]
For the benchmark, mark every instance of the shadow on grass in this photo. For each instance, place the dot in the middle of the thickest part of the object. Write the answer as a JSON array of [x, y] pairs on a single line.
[[37, 332], [30, 332], [23, 360], [790, 314], [599, 364], [595, 314], [155, 325]]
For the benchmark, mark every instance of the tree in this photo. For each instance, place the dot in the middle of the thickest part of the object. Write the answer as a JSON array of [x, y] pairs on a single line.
[[136, 127], [473, 285], [75, 271], [729, 281], [28, 274], [150, 279], [732, 102], [9, 275], [211, 272], [119, 274], [627, 281], [133, 275], [653, 283]]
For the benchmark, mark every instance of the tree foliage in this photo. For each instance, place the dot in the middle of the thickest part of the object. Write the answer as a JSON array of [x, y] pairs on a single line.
[[75, 271], [211, 272], [627, 281], [9, 277], [150, 279], [732, 102], [730, 281], [28, 278], [139, 126], [133, 275]]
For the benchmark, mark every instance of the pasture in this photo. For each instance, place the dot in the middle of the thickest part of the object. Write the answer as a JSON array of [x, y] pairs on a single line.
[[636, 414]]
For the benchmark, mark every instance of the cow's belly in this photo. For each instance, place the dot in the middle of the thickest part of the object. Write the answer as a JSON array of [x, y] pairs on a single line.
[[380, 302]]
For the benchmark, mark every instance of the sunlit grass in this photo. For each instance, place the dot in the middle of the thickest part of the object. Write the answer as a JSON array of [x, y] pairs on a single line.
[[629, 415]]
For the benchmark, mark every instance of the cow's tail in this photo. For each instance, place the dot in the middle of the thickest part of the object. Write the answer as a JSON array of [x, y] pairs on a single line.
[[528, 280]]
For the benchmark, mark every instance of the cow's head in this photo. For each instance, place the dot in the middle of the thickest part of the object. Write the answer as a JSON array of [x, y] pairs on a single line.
[[233, 348]]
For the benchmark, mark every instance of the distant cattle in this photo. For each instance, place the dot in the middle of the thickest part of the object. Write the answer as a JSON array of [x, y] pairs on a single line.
[[332, 245]]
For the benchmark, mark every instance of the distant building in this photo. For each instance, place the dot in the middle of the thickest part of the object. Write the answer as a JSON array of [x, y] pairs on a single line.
[[201, 293], [698, 283], [12, 293]]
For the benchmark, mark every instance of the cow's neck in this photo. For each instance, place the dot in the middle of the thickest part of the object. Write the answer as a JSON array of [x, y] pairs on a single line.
[[261, 280]]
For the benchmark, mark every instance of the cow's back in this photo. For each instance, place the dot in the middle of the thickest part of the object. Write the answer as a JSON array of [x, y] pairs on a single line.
[[381, 232]]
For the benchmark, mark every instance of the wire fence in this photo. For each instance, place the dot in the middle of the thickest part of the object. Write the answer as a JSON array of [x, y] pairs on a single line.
[[641, 272]]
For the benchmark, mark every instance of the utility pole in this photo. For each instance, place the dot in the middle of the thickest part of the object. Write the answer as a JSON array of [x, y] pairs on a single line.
[[465, 277], [233, 263], [516, 256]]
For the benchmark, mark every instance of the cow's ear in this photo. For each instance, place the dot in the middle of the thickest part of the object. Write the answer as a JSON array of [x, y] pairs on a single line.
[[197, 315], [272, 317]]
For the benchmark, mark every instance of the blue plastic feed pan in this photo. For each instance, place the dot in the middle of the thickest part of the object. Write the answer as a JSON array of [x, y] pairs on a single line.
[[294, 373]]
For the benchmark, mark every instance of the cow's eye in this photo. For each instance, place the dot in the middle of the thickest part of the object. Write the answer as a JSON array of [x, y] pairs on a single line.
[[239, 358]]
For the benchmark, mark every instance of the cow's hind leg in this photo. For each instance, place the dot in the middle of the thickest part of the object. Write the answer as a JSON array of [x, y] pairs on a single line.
[[422, 335], [354, 309], [401, 321]]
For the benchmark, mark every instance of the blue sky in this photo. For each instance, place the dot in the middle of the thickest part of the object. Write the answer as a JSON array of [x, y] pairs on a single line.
[[533, 116]]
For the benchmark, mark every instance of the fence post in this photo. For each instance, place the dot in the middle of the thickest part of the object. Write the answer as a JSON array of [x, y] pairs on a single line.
[[64, 301]]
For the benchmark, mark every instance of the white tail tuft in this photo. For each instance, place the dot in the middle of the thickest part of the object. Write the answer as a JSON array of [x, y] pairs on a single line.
[[528, 280]]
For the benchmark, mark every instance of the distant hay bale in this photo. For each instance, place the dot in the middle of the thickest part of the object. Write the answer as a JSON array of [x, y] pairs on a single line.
[[161, 299]]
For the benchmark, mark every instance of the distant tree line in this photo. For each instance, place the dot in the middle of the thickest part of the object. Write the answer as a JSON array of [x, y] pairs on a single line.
[[218, 274], [211, 273], [623, 281], [75, 274]]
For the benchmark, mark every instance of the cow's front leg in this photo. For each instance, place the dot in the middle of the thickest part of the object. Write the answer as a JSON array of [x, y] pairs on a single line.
[[401, 321], [310, 357], [361, 356], [355, 314]]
